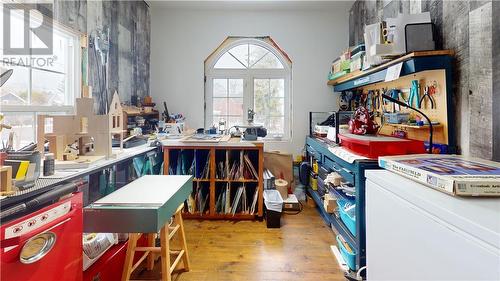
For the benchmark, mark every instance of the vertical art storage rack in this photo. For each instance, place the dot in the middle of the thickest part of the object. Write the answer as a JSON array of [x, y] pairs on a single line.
[[228, 181]]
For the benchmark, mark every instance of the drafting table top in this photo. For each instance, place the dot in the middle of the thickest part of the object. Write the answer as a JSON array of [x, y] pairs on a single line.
[[142, 206]]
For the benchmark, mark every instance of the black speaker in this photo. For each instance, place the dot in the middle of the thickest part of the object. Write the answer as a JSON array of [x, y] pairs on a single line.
[[419, 37]]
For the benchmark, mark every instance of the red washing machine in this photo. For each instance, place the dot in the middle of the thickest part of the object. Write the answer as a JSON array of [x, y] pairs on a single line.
[[44, 245]]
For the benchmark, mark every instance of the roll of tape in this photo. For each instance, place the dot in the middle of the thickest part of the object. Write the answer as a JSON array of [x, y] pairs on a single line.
[[96, 243], [280, 183]]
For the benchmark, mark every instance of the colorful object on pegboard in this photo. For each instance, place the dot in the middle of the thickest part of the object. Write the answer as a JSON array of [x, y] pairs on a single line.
[[362, 123]]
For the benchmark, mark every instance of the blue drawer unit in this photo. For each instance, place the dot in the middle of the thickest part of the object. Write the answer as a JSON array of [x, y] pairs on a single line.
[[353, 231]]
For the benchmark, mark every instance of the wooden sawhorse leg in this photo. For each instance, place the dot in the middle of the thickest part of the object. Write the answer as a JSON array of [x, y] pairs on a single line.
[[167, 232], [178, 220]]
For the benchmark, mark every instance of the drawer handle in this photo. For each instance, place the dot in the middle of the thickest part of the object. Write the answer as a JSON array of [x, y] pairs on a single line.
[[37, 247]]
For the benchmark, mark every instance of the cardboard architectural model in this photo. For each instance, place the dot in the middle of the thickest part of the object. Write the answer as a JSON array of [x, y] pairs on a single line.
[[116, 118], [71, 128]]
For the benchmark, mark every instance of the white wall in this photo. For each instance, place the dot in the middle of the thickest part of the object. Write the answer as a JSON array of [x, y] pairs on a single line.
[[182, 37]]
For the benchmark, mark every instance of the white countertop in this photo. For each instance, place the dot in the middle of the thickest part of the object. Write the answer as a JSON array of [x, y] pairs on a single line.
[[236, 142], [478, 216], [148, 190]]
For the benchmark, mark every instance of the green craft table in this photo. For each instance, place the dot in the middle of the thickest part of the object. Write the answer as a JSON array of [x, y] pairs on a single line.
[[142, 206]]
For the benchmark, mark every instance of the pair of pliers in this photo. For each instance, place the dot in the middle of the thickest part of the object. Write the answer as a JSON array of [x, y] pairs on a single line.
[[428, 93], [395, 94], [368, 101], [376, 100], [414, 94]]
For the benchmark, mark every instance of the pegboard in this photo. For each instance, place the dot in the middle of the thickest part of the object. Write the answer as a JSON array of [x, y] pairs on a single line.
[[438, 114]]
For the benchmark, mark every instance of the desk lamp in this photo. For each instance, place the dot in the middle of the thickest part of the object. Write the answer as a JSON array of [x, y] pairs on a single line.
[[410, 107]]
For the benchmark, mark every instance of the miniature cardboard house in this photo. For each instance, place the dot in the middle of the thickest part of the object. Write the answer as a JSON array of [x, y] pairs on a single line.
[[84, 124], [116, 118]]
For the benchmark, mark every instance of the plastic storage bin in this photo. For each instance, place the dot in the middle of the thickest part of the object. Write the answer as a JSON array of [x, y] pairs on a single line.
[[347, 218], [375, 146], [349, 258], [274, 207], [397, 117]]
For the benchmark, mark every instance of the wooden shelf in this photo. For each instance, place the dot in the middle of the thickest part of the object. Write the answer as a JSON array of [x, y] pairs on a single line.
[[143, 113], [238, 216], [414, 126], [201, 180], [240, 180], [359, 74]]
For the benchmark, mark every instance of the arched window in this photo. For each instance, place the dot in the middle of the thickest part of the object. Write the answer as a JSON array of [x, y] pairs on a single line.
[[249, 73]]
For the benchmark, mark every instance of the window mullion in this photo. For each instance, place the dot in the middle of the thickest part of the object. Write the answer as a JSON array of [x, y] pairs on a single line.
[[30, 72], [227, 99]]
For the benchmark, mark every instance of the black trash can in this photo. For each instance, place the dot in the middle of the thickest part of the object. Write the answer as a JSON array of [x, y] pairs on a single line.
[[274, 207]]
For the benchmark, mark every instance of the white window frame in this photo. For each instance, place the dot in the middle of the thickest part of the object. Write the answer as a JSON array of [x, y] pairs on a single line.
[[248, 76], [73, 90]]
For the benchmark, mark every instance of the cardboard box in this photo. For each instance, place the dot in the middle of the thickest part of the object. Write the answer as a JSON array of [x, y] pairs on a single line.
[[452, 174], [280, 163], [329, 203]]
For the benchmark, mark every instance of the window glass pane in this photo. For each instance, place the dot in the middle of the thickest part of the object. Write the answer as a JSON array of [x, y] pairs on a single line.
[[35, 41], [261, 120], [15, 90], [217, 118], [268, 61], [236, 87], [16, 28], [261, 90], [228, 61], [234, 120], [276, 106], [22, 126], [276, 125], [220, 88], [220, 106], [240, 52], [277, 88], [230, 120], [256, 53], [59, 60], [48, 88], [269, 105], [235, 106]]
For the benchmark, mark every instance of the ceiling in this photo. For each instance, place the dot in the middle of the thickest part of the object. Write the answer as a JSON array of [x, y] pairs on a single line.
[[250, 5]]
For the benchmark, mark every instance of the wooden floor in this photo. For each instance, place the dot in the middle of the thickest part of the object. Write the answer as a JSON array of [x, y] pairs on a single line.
[[247, 250]]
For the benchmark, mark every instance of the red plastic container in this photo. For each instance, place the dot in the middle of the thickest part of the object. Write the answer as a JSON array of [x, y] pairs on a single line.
[[109, 267], [374, 146]]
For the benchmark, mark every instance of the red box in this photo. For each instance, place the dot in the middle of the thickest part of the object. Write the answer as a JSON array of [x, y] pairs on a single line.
[[374, 146], [109, 267]]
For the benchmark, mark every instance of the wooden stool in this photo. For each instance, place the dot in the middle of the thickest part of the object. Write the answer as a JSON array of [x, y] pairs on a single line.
[[167, 232]]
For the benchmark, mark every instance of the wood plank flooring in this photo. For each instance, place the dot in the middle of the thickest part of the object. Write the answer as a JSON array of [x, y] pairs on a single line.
[[247, 250]]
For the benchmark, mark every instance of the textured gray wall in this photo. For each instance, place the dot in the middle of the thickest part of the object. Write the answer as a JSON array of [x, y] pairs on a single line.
[[472, 30], [496, 82], [129, 25]]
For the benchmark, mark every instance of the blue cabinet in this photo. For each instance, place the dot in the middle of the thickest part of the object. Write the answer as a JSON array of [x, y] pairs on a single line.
[[353, 173]]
